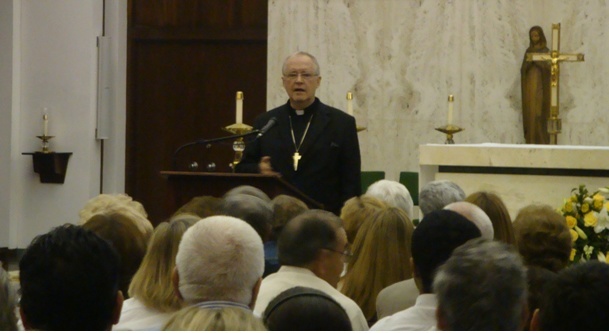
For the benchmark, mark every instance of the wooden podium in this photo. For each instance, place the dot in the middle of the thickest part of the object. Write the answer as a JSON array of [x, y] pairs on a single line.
[[187, 185]]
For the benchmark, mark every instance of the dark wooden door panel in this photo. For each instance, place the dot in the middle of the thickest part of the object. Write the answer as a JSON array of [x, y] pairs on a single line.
[[186, 61]]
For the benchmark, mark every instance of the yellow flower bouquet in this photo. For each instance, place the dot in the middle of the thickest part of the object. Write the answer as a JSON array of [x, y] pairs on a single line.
[[587, 217]]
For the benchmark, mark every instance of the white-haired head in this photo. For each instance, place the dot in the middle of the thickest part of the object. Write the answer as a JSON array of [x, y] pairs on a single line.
[[219, 258], [439, 193], [393, 193], [476, 215]]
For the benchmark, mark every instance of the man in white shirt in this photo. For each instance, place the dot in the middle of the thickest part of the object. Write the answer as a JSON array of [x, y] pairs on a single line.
[[434, 239], [312, 250], [219, 263]]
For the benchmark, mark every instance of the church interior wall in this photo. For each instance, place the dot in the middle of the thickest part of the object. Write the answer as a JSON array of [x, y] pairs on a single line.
[[6, 92], [54, 67], [400, 58]]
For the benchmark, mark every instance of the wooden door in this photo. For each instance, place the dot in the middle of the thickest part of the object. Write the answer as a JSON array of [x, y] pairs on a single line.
[[186, 61]]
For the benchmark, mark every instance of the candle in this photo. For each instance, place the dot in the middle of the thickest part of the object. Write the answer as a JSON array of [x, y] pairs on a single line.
[[349, 103], [45, 123], [451, 101], [555, 36], [239, 111]]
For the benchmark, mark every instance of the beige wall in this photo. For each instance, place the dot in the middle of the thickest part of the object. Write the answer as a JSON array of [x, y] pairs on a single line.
[[402, 58]]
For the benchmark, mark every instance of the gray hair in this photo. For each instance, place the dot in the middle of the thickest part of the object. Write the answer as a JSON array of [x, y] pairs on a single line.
[[219, 258], [393, 193], [301, 53], [253, 210], [8, 302], [247, 189], [476, 215], [439, 193], [482, 287]]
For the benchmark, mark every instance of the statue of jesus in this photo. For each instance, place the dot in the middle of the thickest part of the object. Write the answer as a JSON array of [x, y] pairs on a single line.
[[535, 81]]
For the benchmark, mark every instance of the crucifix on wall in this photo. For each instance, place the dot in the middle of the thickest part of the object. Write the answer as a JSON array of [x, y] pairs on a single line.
[[553, 59]]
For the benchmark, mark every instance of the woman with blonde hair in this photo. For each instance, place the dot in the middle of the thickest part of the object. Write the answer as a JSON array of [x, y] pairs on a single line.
[[356, 210], [221, 318], [152, 296], [381, 257], [117, 203], [494, 207], [8, 303]]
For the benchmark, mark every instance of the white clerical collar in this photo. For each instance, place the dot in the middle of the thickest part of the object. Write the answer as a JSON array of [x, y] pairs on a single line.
[[299, 112]]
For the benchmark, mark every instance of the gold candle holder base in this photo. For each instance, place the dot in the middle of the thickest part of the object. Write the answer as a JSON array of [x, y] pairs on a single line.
[[449, 130], [238, 128], [45, 143], [238, 144]]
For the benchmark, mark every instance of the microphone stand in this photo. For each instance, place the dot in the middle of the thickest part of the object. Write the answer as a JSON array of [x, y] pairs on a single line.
[[209, 142]]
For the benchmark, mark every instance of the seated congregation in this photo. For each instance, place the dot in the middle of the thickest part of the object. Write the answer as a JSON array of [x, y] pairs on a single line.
[[249, 262]]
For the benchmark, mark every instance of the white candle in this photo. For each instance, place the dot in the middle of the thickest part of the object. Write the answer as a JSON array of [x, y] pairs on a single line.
[[555, 36], [239, 111], [45, 123], [349, 103], [449, 117]]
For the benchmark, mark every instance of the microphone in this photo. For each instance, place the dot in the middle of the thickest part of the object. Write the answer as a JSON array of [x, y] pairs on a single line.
[[267, 127]]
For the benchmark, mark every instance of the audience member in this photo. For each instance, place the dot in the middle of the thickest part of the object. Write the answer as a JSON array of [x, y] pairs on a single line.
[[474, 214], [494, 207], [285, 208], [69, 282], [122, 233], [482, 287], [312, 250], [251, 209], [249, 190], [8, 302], [117, 203], [305, 309], [203, 318], [537, 280], [394, 194], [356, 210], [219, 263], [439, 193], [381, 257], [152, 295], [433, 241], [543, 237], [577, 300], [201, 206]]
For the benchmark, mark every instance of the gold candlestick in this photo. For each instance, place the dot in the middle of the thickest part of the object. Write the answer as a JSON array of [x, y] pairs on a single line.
[[449, 130], [45, 143], [239, 144]]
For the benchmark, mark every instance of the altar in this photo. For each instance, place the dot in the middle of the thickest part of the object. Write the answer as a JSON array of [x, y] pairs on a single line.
[[520, 174]]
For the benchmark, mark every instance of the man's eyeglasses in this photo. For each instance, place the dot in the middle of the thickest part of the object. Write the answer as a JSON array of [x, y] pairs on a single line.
[[346, 254], [304, 76]]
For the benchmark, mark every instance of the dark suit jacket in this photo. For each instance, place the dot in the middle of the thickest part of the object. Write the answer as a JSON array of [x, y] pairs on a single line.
[[329, 170]]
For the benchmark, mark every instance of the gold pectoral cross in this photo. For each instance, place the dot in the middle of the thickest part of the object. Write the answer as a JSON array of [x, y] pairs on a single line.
[[296, 157]]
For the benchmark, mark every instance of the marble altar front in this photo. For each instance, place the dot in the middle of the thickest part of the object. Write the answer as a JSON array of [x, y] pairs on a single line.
[[519, 174]]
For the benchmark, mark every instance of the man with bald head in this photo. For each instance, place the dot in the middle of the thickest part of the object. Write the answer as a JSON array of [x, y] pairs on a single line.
[[312, 145], [476, 215]]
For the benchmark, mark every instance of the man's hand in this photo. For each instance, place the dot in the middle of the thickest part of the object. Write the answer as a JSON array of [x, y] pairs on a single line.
[[265, 166]]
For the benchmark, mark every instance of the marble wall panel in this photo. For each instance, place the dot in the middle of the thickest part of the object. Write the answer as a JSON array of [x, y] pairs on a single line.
[[402, 58]]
